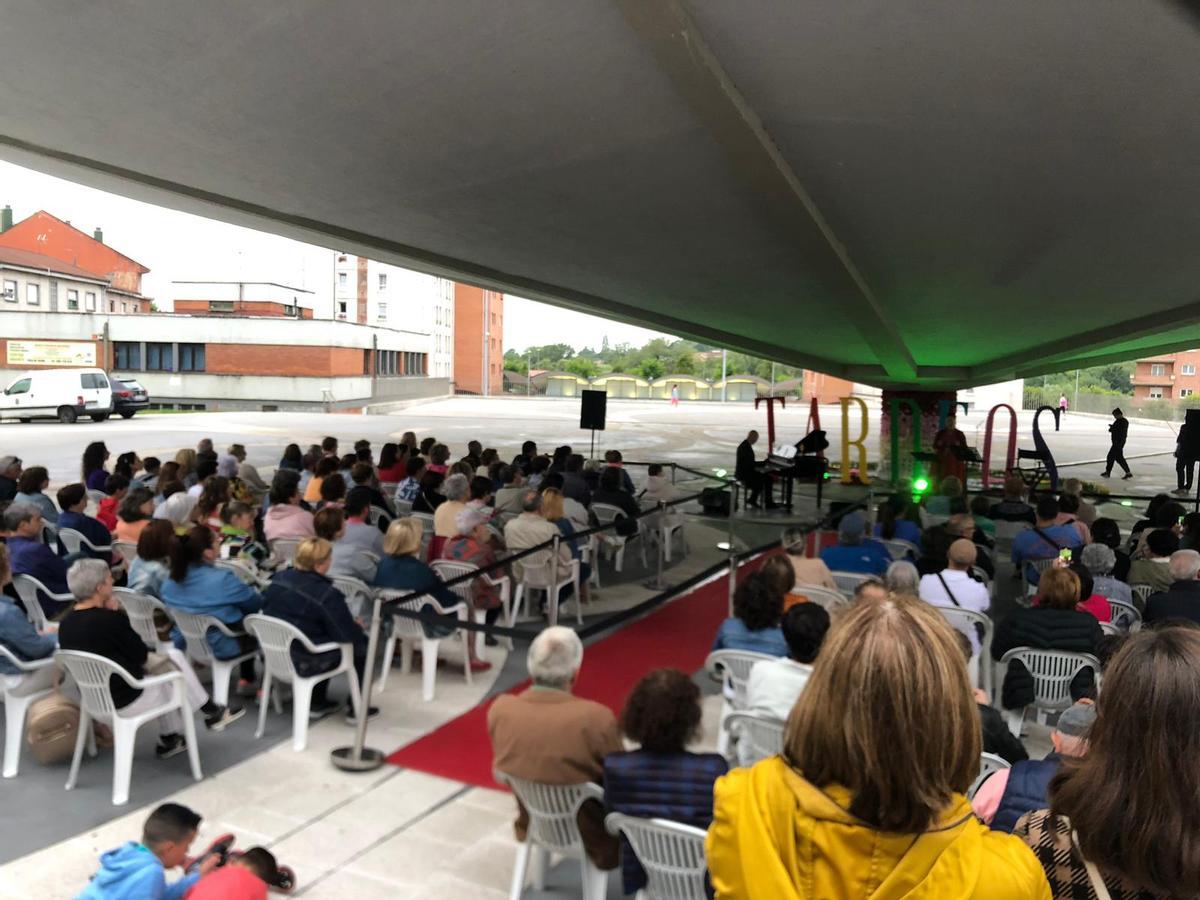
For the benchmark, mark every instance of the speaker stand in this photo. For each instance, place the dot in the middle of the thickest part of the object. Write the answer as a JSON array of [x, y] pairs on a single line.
[[592, 454]]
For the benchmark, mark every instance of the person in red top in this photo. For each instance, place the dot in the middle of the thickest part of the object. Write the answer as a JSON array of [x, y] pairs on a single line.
[[116, 486], [1092, 602], [392, 463], [246, 877]]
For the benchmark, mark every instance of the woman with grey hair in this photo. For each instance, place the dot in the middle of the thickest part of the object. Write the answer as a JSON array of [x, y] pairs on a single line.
[[1100, 560], [472, 543], [457, 491], [902, 577], [97, 625]]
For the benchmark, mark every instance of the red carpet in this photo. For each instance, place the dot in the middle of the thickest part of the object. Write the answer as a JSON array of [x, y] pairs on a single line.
[[678, 635]]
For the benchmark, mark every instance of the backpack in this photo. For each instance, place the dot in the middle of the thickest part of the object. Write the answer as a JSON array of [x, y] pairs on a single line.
[[52, 727]]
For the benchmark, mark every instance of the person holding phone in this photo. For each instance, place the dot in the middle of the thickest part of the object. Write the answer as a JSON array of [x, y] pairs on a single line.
[[1119, 431]]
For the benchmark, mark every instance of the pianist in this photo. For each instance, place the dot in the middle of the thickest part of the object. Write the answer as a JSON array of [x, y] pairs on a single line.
[[747, 472]]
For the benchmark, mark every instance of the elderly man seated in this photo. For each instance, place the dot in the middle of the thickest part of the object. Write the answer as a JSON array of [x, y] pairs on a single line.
[[855, 552], [29, 556], [954, 586], [546, 734], [1181, 601], [530, 529]]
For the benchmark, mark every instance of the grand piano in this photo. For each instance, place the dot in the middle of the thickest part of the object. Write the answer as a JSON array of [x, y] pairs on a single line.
[[802, 461]]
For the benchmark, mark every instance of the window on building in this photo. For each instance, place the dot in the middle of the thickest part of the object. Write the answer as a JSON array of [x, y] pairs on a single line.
[[33, 294], [383, 281], [10, 291], [1189, 370], [341, 279], [124, 307], [1155, 393], [220, 306], [89, 301], [1158, 369], [160, 357], [381, 312], [191, 357], [73, 300], [128, 354], [112, 306], [1186, 392], [342, 308], [366, 362]]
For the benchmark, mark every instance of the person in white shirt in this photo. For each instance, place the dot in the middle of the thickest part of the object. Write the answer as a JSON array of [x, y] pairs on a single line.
[[775, 684], [954, 586]]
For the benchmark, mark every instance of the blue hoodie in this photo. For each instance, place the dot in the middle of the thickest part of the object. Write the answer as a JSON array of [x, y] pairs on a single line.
[[131, 872]]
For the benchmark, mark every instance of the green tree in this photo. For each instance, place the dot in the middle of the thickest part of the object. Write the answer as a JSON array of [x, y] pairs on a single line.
[[515, 362], [650, 369], [584, 368]]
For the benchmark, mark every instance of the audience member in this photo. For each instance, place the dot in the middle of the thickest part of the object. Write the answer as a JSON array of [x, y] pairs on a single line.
[[611, 493], [10, 475], [757, 608], [246, 876], [206, 467], [547, 735], [808, 570], [116, 486], [997, 738], [614, 460], [954, 586], [1090, 601], [430, 496], [854, 552], [574, 485], [347, 560], [237, 534], [1099, 560], [187, 462], [360, 532], [1189, 532], [214, 494], [660, 779], [286, 518], [134, 514], [870, 590], [1087, 511], [1008, 794], [1054, 624], [1125, 812], [782, 578], [658, 486], [152, 565], [29, 556], [572, 509], [409, 487], [138, 869], [333, 491], [1045, 540], [303, 595], [775, 684], [1012, 507], [530, 528], [894, 523], [95, 455], [951, 488], [878, 754], [23, 640], [473, 455], [1068, 505], [979, 508], [409, 440], [1106, 531], [401, 570], [537, 471], [1181, 600], [472, 543], [197, 586], [902, 577], [524, 459], [176, 506], [391, 469], [151, 469], [292, 458], [1153, 569], [329, 447], [456, 489], [31, 488], [936, 541], [1151, 514]]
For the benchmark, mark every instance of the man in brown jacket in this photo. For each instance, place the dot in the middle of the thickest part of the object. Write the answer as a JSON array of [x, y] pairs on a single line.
[[545, 734]]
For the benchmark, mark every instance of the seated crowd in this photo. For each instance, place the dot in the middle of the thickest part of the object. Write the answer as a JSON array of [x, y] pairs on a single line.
[[872, 685]]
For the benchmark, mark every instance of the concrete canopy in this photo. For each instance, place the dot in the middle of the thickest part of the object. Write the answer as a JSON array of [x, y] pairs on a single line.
[[938, 192]]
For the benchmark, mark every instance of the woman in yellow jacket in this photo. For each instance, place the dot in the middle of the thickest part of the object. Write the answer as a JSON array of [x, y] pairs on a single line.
[[867, 799]]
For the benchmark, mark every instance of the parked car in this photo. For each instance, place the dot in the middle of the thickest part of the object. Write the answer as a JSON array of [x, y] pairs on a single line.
[[63, 394], [129, 397]]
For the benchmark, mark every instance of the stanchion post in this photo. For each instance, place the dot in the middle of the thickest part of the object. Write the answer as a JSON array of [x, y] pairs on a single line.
[[360, 758], [552, 591], [733, 567], [656, 583]]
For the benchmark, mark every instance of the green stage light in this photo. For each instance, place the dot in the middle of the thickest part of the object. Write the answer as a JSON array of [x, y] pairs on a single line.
[[720, 473], [921, 485], [1127, 503]]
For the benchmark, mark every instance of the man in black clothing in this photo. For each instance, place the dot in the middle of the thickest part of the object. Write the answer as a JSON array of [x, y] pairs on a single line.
[[1185, 464], [524, 459], [747, 473], [10, 473], [1182, 599], [1119, 430]]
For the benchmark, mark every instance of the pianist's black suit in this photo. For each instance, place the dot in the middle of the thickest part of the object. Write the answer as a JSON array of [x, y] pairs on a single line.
[[747, 473]]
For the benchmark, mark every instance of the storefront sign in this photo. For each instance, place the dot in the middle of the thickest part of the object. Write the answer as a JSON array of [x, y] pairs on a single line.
[[51, 353]]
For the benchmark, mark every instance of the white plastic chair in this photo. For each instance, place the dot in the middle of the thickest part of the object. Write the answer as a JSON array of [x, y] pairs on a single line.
[[607, 514], [848, 581], [140, 609], [833, 601], [989, 764], [16, 706], [408, 632], [1007, 531], [1124, 616], [388, 488], [1109, 628], [732, 668], [1052, 672], [95, 498], [402, 507], [27, 588], [758, 736], [283, 549], [1141, 591], [50, 535], [553, 828], [75, 541], [965, 621], [275, 637], [900, 549], [1041, 566], [127, 550], [357, 592], [377, 514], [536, 572], [245, 570], [671, 853], [426, 520], [195, 632], [92, 674], [449, 569]]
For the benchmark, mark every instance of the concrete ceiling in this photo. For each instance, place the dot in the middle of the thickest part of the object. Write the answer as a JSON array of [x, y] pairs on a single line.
[[943, 192]]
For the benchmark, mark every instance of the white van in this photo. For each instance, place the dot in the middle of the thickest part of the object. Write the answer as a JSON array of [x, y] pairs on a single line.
[[63, 394]]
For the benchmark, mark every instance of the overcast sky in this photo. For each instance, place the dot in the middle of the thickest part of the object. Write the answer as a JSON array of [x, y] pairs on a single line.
[[178, 246]]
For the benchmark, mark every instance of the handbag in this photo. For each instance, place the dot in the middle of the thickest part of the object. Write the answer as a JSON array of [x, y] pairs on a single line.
[[52, 726]]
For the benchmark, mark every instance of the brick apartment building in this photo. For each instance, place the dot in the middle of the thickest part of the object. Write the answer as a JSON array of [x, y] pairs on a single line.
[[1168, 376], [255, 299], [478, 341]]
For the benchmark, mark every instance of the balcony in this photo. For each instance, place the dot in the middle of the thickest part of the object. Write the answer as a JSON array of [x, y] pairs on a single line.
[[1148, 380]]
